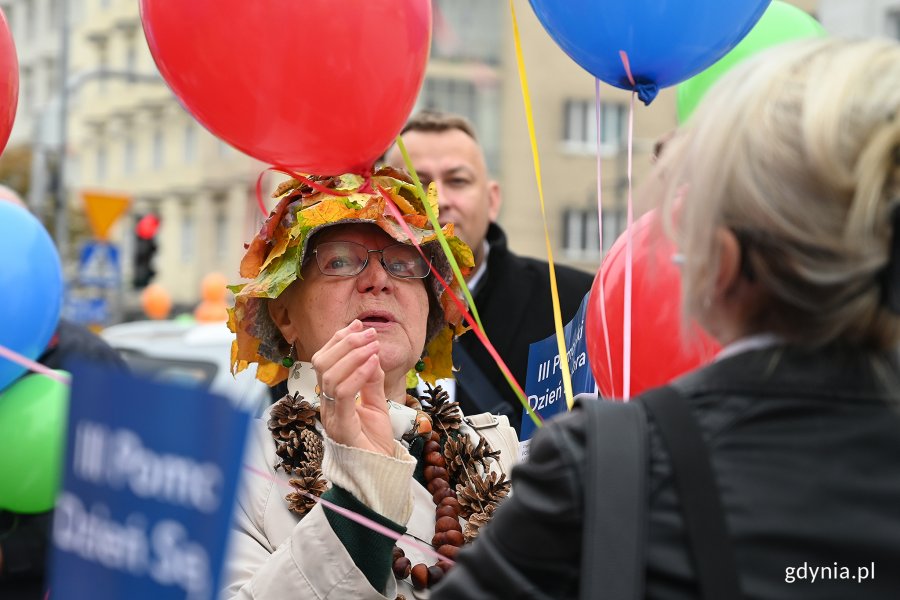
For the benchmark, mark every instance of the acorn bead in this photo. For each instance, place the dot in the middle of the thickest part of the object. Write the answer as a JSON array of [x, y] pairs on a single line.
[[436, 459], [439, 539], [437, 484], [447, 524], [454, 538], [442, 494], [402, 567], [450, 501], [431, 446], [448, 550], [444, 565], [446, 511], [435, 574], [432, 472], [397, 552], [419, 575]]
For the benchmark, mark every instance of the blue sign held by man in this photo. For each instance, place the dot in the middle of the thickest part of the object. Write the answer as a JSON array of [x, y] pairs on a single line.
[[543, 380], [150, 477]]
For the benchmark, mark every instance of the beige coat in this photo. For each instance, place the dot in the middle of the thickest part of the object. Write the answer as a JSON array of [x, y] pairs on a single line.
[[274, 554]]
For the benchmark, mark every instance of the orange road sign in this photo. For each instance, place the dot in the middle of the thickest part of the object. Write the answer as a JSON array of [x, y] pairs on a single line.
[[103, 210]]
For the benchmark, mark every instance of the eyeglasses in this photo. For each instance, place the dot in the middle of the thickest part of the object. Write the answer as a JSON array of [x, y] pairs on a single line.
[[348, 259]]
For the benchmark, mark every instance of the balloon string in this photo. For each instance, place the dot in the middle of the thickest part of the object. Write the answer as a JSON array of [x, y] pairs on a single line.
[[354, 516], [473, 323], [602, 300], [31, 365], [554, 291], [629, 246]]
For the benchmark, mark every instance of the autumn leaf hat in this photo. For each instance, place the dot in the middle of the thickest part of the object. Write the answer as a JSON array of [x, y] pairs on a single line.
[[275, 256]]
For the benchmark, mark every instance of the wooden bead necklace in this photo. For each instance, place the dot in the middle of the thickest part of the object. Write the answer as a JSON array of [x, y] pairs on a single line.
[[448, 537]]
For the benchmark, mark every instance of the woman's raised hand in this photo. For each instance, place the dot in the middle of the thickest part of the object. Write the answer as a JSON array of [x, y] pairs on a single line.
[[347, 369]]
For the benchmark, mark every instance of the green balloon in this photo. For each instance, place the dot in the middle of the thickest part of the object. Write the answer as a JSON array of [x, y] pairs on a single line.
[[33, 413], [780, 23]]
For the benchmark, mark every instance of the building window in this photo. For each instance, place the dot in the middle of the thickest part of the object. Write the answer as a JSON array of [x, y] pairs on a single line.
[[131, 56], [158, 148], [128, 156], [26, 95], [100, 172], [450, 95], [581, 239], [190, 143], [221, 231], [30, 9], [580, 127], [467, 30], [50, 75], [476, 99], [893, 23], [102, 65], [187, 237]]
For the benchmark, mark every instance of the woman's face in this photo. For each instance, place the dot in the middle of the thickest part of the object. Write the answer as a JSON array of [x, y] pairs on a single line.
[[311, 310]]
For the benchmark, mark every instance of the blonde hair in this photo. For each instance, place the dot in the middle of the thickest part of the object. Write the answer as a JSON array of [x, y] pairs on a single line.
[[798, 152]]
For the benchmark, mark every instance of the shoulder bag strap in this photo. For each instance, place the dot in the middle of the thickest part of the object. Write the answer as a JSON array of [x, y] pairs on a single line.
[[615, 500], [704, 517]]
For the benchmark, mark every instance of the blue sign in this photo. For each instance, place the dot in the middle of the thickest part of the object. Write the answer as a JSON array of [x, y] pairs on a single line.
[[543, 380], [99, 265], [150, 478], [87, 311]]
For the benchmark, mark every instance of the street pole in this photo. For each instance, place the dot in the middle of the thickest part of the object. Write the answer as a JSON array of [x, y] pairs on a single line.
[[62, 188]]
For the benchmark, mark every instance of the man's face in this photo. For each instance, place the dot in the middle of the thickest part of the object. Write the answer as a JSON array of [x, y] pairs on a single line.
[[455, 163]]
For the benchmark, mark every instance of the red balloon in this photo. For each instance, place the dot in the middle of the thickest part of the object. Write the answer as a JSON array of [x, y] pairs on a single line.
[[320, 86], [660, 349], [9, 81]]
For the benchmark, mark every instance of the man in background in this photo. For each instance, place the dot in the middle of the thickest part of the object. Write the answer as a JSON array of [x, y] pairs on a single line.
[[512, 293]]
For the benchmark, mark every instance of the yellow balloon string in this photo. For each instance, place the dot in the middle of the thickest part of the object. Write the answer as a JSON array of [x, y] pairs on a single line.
[[554, 291]]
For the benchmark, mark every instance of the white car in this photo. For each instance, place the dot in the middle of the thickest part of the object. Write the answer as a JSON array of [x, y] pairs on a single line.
[[188, 353]]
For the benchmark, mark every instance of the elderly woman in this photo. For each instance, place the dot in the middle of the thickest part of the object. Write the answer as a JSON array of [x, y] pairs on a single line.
[[345, 307], [785, 200]]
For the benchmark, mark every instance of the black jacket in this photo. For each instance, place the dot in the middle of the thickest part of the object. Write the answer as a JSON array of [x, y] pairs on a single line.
[[514, 302], [805, 448]]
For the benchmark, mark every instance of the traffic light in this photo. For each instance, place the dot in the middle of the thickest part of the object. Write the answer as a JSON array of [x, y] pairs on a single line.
[[145, 249]]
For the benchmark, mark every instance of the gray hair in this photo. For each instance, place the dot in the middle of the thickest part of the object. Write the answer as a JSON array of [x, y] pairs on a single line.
[[797, 151]]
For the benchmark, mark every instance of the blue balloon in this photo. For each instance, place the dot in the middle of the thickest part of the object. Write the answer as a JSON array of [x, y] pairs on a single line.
[[31, 287], [667, 41]]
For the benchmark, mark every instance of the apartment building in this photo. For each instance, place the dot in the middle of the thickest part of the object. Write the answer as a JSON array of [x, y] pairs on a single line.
[[127, 134]]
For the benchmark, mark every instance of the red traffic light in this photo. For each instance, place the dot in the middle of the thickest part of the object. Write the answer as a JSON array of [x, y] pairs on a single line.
[[147, 226]]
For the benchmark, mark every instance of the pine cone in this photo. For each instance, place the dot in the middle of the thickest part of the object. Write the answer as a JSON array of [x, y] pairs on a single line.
[[458, 455], [312, 447], [289, 451], [470, 497], [484, 454], [291, 413], [477, 521], [481, 491], [445, 415], [306, 479]]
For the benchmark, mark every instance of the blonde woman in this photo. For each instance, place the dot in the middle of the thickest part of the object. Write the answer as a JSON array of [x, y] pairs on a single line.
[[785, 203]]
